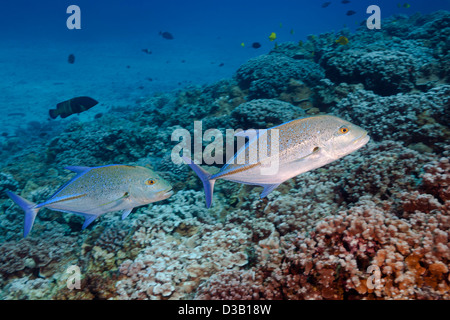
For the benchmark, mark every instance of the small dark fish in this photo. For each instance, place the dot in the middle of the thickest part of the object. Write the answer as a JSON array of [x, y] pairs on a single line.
[[350, 12], [166, 35], [326, 4], [298, 56], [221, 65], [71, 58], [98, 115], [256, 45], [147, 51], [345, 1], [74, 105]]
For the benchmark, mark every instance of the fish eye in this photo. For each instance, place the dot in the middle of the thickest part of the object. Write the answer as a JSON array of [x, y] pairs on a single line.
[[150, 182], [344, 130]]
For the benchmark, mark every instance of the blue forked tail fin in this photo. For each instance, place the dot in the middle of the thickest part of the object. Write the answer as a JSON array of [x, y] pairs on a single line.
[[29, 208], [208, 183]]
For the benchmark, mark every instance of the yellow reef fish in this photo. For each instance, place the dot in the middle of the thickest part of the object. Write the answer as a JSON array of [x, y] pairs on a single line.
[[342, 40], [272, 36], [303, 145], [242, 44], [98, 190]]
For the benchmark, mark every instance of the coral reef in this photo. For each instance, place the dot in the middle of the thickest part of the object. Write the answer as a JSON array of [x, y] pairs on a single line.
[[373, 225], [412, 118], [385, 72], [403, 56], [404, 238], [261, 113], [267, 76], [173, 268]]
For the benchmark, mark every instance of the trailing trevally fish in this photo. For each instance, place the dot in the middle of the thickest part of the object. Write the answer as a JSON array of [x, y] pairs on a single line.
[[302, 145], [98, 190]]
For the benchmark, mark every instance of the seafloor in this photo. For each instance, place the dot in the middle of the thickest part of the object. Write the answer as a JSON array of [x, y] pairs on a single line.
[[320, 235]]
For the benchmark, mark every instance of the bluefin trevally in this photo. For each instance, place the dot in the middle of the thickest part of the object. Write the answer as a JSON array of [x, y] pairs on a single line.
[[303, 144], [98, 190]]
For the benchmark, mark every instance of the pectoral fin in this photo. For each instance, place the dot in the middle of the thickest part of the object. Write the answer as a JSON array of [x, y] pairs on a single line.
[[314, 152], [125, 195]]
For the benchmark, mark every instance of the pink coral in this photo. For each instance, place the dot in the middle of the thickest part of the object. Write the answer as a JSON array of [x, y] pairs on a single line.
[[333, 262], [437, 179]]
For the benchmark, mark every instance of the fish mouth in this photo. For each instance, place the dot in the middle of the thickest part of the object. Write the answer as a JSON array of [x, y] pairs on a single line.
[[362, 139], [166, 194]]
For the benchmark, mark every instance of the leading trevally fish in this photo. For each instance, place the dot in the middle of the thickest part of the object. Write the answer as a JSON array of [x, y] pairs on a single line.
[[303, 144], [98, 190]]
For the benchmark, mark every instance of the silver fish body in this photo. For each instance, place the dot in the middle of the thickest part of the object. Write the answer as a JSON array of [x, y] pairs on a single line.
[[302, 145], [98, 190]]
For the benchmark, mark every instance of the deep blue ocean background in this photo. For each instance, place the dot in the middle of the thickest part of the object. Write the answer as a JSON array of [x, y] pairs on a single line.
[[110, 64]]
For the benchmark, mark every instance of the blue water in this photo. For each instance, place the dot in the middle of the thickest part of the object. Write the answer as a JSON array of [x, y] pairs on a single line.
[[239, 20], [110, 63]]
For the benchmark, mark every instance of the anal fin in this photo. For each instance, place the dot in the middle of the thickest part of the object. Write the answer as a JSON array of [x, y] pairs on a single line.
[[126, 212], [268, 188], [88, 219]]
